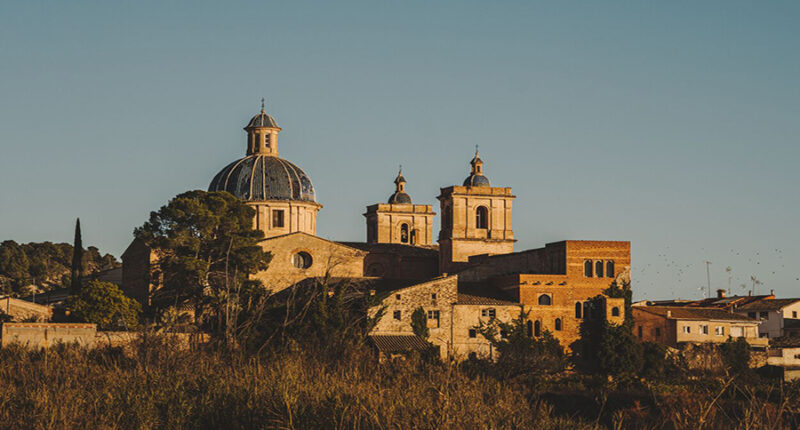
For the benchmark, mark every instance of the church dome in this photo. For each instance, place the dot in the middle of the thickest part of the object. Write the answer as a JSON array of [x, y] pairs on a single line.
[[259, 177]]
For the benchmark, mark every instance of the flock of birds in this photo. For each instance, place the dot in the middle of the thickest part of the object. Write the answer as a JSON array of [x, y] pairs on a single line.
[[738, 274]]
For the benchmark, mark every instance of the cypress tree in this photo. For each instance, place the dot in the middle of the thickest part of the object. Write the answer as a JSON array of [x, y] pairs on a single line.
[[77, 259]]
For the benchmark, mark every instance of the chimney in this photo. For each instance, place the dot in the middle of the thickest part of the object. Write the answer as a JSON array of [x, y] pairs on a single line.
[[750, 293], [669, 314], [720, 293]]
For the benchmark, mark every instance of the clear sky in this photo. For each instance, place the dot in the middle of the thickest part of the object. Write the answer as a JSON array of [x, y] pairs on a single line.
[[673, 125]]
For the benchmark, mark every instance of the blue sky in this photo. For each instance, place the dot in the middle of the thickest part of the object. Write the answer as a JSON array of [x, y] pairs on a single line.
[[670, 124]]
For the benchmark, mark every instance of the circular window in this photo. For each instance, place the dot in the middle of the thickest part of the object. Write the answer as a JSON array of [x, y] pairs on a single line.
[[301, 260]]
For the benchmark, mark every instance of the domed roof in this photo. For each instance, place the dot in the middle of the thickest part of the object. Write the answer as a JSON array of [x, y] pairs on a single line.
[[476, 181], [262, 120], [399, 197], [264, 177]]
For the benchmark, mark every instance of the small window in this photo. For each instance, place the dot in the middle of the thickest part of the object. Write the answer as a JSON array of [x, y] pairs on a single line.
[[433, 315], [277, 218], [482, 217], [640, 332], [751, 315], [704, 329], [764, 315], [578, 310], [302, 260], [266, 139], [396, 315], [658, 331], [537, 329], [545, 300], [397, 296], [615, 311], [503, 334], [433, 296], [794, 314], [404, 233], [687, 329], [529, 328], [587, 268], [413, 237], [610, 269], [598, 269], [558, 324], [473, 333], [719, 331], [488, 313]]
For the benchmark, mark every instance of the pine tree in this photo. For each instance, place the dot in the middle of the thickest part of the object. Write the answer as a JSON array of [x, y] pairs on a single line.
[[77, 260]]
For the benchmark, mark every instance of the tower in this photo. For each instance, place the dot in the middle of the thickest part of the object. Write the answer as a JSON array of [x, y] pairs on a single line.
[[281, 193], [476, 219], [399, 220]]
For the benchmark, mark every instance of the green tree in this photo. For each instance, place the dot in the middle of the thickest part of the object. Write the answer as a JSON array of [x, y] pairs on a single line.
[[77, 260], [419, 323], [104, 304], [207, 249], [519, 352], [14, 263], [607, 348]]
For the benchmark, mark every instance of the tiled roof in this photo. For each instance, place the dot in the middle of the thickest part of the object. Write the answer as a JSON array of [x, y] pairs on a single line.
[[685, 313], [768, 305], [398, 343], [478, 293], [395, 248]]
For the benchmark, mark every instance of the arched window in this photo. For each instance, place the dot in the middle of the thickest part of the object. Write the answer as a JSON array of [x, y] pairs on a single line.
[[610, 269], [482, 217], [537, 329], [545, 300], [529, 328], [302, 260], [578, 310], [558, 324], [413, 237], [404, 233], [615, 311], [598, 269], [587, 268]]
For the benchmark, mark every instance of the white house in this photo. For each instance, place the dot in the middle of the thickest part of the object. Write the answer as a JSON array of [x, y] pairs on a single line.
[[779, 317]]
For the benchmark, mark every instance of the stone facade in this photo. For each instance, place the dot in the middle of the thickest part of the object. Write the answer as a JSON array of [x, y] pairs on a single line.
[[407, 224]]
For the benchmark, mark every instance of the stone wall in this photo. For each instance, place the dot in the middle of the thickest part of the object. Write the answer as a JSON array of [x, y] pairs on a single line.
[[43, 335], [23, 310], [465, 320]]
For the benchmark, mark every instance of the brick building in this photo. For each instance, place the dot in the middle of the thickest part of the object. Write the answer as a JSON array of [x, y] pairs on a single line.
[[472, 274]]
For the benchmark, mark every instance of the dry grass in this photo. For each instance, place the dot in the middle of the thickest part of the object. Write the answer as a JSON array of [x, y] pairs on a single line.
[[157, 386]]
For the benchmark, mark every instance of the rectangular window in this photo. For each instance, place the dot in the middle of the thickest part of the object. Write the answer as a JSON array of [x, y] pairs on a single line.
[[488, 313], [397, 315], [704, 329], [503, 334], [737, 331], [433, 296], [794, 314], [433, 317], [719, 331], [751, 315], [277, 218], [764, 315], [473, 333], [640, 332], [397, 296], [658, 331], [687, 329]]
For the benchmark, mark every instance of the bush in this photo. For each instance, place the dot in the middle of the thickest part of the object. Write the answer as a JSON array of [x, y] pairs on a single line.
[[736, 355], [104, 304]]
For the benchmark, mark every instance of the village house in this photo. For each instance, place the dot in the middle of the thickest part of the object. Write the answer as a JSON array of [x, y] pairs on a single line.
[[778, 317], [673, 326]]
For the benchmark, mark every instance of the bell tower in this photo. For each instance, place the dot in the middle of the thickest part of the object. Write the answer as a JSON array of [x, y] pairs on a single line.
[[476, 220], [400, 221]]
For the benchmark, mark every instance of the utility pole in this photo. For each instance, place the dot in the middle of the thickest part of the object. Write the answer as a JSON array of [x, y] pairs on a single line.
[[708, 275]]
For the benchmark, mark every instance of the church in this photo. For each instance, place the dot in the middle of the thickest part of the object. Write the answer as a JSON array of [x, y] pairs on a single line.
[[468, 274]]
